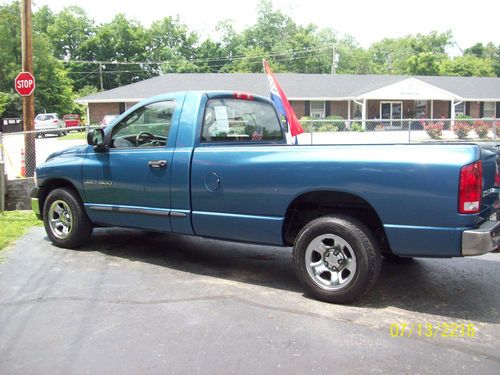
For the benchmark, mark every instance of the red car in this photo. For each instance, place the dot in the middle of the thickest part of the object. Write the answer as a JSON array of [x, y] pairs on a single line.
[[72, 121]]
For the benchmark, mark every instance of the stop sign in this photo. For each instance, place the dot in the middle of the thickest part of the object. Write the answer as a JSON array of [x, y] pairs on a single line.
[[24, 83]]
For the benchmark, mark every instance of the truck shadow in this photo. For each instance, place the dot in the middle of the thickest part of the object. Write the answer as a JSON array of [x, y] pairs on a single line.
[[454, 288]]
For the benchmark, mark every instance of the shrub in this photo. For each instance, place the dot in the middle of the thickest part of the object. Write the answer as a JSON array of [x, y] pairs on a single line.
[[496, 127], [327, 124], [481, 128], [462, 129], [356, 127], [327, 127], [464, 118], [434, 129]]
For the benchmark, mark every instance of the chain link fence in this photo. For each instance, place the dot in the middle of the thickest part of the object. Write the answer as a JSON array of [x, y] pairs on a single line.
[[382, 131], [321, 131], [19, 162]]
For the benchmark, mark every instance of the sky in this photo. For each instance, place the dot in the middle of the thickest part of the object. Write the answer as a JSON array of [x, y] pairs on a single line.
[[368, 21]]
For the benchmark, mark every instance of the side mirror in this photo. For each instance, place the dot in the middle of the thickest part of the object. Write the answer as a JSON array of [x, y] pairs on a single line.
[[96, 138]]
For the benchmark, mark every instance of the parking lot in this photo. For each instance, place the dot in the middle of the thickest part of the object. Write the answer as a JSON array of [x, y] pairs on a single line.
[[136, 302]]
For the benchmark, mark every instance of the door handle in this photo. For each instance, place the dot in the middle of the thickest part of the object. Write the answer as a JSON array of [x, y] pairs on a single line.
[[157, 163]]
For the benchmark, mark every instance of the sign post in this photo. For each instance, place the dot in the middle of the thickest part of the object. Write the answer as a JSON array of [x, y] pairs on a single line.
[[25, 85]]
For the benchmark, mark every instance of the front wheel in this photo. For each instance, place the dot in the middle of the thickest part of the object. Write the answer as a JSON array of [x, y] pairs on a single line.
[[337, 259], [65, 220]]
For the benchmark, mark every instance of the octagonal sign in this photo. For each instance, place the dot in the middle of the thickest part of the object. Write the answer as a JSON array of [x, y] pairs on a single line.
[[24, 83]]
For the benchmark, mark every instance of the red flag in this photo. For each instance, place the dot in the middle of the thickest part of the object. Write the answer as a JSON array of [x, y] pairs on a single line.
[[279, 98]]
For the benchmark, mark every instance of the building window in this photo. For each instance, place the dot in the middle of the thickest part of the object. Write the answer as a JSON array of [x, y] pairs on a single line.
[[318, 109], [421, 109], [460, 109], [489, 110]]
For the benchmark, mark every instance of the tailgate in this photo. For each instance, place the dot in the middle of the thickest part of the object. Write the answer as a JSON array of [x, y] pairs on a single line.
[[491, 159]]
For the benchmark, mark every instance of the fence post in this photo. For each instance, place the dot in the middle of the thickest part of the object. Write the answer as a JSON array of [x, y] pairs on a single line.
[[2, 187], [494, 130], [409, 131], [1, 146]]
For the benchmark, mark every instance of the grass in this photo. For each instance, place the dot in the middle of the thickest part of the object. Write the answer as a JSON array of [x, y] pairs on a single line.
[[13, 224], [73, 136]]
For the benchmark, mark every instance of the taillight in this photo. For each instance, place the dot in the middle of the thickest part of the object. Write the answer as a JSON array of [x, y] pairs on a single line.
[[470, 188], [497, 178], [242, 95], [55, 121]]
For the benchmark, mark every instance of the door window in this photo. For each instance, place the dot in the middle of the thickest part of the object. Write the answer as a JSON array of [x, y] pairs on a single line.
[[147, 126]]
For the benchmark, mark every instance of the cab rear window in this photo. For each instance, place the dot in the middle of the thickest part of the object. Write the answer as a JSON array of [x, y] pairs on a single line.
[[236, 120]]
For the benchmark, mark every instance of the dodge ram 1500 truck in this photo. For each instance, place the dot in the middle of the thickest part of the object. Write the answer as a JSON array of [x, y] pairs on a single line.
[[216, 164]]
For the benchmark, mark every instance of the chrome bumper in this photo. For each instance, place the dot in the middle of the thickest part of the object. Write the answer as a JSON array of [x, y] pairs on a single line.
[[35, 202], [481, 240]]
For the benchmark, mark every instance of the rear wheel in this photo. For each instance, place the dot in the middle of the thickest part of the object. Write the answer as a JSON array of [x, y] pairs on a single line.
[[337, 259], [65, 220]]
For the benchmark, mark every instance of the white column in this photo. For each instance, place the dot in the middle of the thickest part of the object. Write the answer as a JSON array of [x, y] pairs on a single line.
[[432, 108]]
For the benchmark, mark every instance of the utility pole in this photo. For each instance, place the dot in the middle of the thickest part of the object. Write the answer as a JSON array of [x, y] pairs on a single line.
[[100, 75], [28, 101], [335, 60]]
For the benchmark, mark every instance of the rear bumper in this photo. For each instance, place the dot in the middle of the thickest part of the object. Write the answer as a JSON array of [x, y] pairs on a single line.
[[48, 127], [35, 202], [482, 240]]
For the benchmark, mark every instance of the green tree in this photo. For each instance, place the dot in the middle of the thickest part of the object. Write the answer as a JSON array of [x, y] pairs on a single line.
[[170, 40], [68, 30], [490, 51], [53, 88], [42, 19], [122, 40], [5, 100], [467, 66], [425, 63], [412, 54]]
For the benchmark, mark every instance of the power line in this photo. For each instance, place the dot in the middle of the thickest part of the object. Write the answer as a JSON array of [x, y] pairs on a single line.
[[142, 71], [210, 59]]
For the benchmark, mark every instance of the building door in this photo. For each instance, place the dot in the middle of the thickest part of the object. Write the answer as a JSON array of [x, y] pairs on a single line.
[[393, 113]]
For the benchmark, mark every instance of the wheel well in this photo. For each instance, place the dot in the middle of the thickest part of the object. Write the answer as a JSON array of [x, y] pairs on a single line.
[[54, 184], [310, 206]]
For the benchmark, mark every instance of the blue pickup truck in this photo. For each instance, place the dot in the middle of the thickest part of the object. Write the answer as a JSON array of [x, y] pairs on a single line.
[[216, 164]]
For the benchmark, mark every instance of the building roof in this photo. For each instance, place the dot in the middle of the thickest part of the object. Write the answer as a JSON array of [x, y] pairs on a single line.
[[296, 86]]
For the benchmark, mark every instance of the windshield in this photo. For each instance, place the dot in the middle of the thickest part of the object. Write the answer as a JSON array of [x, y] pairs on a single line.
[[44, 117]]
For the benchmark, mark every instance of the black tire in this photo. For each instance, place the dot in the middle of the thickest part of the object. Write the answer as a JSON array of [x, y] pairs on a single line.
[[80, 227], [365, 249]]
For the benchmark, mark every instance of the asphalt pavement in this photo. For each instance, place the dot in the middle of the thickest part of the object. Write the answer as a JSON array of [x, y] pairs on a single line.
[[133, 302]]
